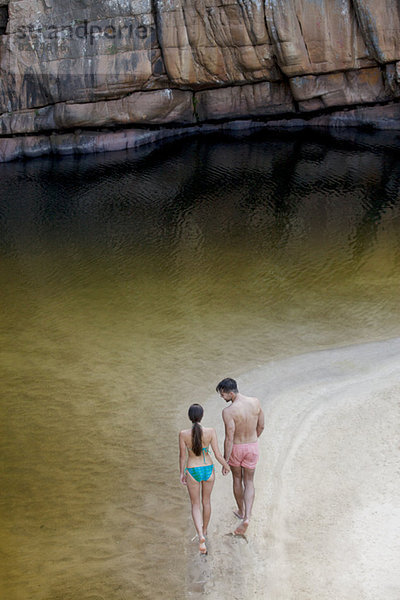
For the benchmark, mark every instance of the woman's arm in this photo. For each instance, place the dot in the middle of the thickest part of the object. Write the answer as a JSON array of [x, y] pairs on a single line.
[[214, 445], [182, 458]]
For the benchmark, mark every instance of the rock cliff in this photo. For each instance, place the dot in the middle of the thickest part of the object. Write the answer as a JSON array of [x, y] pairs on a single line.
[[91, 64]]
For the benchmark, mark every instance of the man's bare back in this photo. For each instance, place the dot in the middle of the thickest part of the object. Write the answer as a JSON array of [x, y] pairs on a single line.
[[244, 413]]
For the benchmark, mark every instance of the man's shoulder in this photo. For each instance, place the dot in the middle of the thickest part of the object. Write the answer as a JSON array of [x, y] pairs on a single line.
[[228, 411], [253, 404], [251, 399]]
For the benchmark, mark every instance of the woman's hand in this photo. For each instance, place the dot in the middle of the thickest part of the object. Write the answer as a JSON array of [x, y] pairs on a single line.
[[183, 479], [225, 470]]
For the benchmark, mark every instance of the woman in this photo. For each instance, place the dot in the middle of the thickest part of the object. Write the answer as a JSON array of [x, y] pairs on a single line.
[[199, 474]]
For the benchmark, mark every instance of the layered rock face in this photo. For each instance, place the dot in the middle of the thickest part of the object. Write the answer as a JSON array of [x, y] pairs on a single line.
[[104, 63]]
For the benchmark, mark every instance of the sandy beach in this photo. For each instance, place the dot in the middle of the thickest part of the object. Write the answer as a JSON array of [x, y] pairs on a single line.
[[326, 519]]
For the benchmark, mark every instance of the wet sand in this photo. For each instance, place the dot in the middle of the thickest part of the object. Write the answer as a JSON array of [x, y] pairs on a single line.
[[326, 519]]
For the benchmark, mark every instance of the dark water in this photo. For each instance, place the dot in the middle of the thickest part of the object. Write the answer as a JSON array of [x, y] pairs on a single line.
[[130, 284]]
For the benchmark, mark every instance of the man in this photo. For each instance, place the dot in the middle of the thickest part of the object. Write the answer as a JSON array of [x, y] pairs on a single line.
[[244, 423]]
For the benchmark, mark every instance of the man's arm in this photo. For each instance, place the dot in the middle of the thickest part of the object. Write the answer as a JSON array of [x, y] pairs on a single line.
[[214, 445], [260, 423], [229, 433]]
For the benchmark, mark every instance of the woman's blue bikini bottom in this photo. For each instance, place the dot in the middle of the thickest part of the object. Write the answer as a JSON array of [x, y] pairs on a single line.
[[201, 473]]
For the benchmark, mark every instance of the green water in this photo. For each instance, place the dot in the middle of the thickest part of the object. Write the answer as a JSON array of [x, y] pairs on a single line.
[[131, 284]]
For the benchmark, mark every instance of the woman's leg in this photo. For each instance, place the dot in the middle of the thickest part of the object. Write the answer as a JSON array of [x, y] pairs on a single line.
[[193, 487], [207, 487]]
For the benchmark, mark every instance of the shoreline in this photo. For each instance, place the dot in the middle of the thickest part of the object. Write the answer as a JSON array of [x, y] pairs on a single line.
[[82, 142], [327, 502], [376, 118]]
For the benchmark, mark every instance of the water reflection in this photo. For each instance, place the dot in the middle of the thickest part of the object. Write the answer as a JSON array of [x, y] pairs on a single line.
[[130, 283], [261, 184]]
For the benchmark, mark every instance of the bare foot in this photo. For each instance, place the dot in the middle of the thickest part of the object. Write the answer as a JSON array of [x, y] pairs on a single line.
[[241, 530], [238, 515], [202, 546]]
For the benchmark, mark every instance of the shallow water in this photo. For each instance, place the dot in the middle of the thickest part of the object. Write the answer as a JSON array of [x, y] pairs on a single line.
[[130, 284]]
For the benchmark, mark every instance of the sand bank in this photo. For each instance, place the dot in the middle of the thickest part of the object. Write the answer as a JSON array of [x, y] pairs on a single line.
[[326, 520]]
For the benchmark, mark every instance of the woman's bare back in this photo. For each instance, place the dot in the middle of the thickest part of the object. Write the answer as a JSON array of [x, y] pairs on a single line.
[[206, 438]]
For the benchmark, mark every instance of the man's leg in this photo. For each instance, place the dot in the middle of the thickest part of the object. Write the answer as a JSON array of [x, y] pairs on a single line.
[[238, 490], [249, 492], [248, 498]]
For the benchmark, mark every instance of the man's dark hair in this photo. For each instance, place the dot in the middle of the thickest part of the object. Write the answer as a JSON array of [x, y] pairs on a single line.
[[227, 385]]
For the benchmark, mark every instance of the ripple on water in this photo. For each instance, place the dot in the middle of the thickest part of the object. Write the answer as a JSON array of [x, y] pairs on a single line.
[[131, 283]]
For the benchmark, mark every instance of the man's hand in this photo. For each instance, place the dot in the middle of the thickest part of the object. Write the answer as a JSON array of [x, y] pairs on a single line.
[[225, 471]]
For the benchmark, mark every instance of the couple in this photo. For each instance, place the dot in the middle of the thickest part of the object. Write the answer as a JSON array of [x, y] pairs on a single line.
[[244, 423]]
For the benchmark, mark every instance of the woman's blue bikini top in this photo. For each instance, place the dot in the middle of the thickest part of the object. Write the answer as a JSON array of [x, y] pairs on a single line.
[[205, 451]]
